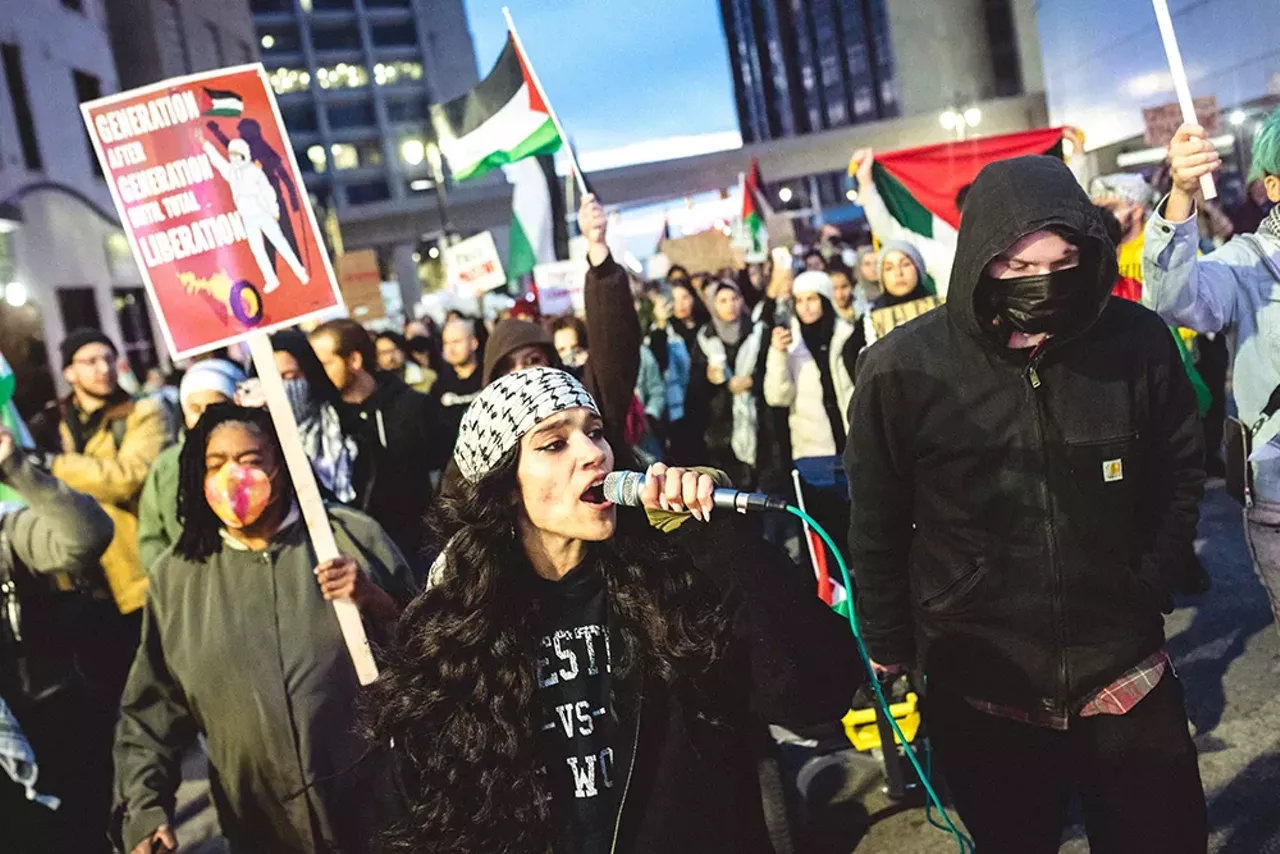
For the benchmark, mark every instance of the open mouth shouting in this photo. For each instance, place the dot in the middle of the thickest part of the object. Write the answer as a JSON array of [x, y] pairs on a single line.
[[594, 495]]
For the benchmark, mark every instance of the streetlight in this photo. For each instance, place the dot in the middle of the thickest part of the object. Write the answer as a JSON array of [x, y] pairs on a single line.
[[413, 151], [959, 120], [972, 117], [950, 119], [268, 41], [784, 195], [433, 253], [1237, 117], [851, 195]]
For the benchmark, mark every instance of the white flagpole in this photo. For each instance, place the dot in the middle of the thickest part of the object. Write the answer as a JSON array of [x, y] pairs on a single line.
[[537, 84], [1180, 85]]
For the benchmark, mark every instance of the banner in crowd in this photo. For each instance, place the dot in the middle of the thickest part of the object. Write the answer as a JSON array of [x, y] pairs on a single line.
[[211, 198], [707, 251], [474, 265], [920, 185], [360, 280], [1161, 123], [561, 287], [885, 320]]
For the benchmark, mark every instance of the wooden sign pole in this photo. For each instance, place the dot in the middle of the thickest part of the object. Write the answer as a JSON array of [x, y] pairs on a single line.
[[309, 500]]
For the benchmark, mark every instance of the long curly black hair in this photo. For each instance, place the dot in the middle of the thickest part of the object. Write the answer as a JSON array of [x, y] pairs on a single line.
[[200, 525], [458, 691]]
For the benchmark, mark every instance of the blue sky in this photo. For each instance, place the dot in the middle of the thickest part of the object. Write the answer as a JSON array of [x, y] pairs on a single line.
[[621, 73]]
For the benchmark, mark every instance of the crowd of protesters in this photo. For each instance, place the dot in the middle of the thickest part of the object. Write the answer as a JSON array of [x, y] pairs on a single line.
[[983, 416]]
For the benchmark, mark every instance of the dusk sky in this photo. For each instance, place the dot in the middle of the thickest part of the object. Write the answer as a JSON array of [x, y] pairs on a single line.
[[622, 74]]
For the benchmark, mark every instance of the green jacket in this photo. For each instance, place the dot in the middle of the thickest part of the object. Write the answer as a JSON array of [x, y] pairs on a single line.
[[158, 526], [243, 649]]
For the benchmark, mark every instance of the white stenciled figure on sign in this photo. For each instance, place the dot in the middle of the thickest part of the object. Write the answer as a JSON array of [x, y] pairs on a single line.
[[259, 209]]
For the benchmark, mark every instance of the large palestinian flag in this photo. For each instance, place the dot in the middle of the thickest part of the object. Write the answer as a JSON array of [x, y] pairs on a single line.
[[919, 185], [500, 121]]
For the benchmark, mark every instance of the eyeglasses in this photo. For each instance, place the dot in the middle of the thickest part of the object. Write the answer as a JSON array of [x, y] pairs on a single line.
[[93, 361]]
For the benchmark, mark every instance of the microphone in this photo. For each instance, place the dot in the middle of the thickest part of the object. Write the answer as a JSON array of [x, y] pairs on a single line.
[[623, 487]]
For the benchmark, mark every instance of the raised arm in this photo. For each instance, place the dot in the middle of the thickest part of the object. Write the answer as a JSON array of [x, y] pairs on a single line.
[[1199, 293], [613, 328]]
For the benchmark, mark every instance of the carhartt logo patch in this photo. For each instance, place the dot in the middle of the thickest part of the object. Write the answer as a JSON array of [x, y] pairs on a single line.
[[1112, 471]]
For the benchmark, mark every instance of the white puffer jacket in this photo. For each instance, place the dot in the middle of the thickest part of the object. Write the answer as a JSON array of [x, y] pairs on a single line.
[[792, 379]]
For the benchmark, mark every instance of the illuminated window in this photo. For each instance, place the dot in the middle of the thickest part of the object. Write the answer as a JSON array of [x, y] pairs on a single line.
[[342, 76], [344, 156], [390, 73], [316, 155], [286, 80]]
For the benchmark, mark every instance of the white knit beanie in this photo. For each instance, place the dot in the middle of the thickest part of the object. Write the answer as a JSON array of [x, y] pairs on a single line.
[[814, 282], [509, 407], [211, 375]]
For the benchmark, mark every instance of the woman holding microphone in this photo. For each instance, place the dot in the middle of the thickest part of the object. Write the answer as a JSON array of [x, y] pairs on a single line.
[[575, 680]]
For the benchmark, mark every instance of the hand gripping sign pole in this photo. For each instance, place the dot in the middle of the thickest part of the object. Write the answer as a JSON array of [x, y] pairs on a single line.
[[1170, 38], [309, 500]]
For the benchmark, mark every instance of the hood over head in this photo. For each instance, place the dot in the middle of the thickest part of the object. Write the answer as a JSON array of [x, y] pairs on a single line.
[[510, 335], [1016, 197]]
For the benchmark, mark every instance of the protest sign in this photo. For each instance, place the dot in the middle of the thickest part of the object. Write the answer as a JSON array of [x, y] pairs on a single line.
[[361, 284], [705, 252], [474, 265], [885, 320], [211, 199], [561, 287], [204, 178], [1162, 122]]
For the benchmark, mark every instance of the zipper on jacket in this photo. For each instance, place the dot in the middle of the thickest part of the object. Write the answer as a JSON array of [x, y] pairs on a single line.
[[631, 768], [1059, 610]]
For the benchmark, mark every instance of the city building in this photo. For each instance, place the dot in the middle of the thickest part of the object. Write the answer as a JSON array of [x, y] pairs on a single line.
[[806, 67], [354, 79], [802, 66], [64, 261], [158, 39]]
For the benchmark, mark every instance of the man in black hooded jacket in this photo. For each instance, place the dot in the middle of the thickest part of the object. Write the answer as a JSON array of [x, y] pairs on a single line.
[[1025, 467]]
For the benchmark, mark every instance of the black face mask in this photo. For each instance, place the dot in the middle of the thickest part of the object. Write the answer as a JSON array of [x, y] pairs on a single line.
[[1036, 304]]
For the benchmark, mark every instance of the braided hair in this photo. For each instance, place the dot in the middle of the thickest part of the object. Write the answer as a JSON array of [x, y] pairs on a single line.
[[200, 537]]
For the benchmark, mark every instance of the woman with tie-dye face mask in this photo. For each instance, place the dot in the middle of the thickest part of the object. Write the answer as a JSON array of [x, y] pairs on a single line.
[[240, 644]]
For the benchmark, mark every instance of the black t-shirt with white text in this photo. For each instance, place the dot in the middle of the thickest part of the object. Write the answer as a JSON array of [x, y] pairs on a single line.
[[580, 731]]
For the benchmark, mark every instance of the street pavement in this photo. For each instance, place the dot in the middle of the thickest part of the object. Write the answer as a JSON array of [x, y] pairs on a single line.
[[1225, 650]]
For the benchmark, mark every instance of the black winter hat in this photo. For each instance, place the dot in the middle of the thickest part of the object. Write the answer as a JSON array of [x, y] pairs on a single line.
[[83, 337]]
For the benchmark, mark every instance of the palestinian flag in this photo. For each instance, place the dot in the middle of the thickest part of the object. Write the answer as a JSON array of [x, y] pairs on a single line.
[[500, 121], [920, 185], [538, 231], [223, 102], [755, 236]]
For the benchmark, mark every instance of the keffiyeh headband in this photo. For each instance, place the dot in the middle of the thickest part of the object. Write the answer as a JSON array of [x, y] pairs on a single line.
[[508, 408]]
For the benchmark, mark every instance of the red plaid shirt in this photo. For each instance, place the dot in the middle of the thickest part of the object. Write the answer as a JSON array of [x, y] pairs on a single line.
[[1118, 698]]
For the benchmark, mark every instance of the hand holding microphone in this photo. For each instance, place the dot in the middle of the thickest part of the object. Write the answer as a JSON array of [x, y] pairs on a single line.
[[681, 490]]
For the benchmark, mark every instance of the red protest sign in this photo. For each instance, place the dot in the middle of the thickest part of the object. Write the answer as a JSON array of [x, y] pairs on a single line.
[[211, 198]]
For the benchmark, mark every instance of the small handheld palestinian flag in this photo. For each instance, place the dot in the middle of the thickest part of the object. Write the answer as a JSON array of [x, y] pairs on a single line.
[[223, 102], [503, 119], [755, 236]]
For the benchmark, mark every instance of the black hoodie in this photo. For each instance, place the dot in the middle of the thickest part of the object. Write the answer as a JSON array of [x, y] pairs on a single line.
[[1021, 519], [402, 440]]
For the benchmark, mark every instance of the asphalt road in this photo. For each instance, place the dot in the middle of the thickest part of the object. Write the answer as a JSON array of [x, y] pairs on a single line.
[[1225, 649]]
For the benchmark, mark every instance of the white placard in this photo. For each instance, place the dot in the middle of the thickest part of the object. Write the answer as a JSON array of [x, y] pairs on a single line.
[[474, 265], [561, 287]]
